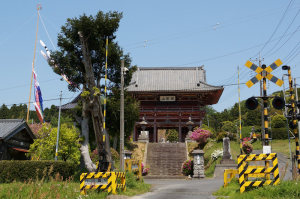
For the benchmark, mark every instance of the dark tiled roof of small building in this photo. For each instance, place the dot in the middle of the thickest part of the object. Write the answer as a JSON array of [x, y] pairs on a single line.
[[10, 126], [168, 79]]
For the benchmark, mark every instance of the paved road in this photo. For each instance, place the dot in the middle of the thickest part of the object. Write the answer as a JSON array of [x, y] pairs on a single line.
[[195, 189], [180, 188], [284, 165]]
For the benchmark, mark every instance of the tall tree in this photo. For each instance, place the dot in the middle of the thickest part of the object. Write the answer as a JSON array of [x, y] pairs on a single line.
[[82, 59]]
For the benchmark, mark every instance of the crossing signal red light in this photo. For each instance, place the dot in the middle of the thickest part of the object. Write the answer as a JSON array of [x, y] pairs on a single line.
[[251, 103], [278, 103]]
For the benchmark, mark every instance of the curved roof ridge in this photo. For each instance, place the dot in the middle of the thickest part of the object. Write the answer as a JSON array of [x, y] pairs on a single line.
[[172, 68]]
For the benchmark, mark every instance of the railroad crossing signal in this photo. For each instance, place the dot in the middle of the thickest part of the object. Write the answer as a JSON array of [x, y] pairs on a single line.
[[264, 73]]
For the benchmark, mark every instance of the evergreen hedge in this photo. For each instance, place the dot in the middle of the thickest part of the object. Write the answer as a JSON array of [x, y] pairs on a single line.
[[24, 170], [279, 133]]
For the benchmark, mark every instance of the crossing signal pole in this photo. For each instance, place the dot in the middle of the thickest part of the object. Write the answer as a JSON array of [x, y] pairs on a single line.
[[293, 116], [263, 73]]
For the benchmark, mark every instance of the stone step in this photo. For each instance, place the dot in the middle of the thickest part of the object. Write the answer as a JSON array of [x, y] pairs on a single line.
[[165, 159]]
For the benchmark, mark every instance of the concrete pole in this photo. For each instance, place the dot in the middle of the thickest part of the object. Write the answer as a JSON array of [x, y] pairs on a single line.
[[58, 126], [122, 118]]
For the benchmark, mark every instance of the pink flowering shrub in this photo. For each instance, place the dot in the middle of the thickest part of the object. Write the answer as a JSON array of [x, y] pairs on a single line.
[[145, 171], [200, 135], [246, 139], [187, 167], [247, 147]]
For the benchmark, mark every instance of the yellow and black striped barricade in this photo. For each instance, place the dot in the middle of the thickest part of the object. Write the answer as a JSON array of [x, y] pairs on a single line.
[[106, 181], [134, 166], [245, 170], [122, 184], [256, 175], [229, 174]]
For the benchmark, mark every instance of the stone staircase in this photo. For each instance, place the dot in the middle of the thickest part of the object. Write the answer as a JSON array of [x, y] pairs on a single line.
[[165, 159]]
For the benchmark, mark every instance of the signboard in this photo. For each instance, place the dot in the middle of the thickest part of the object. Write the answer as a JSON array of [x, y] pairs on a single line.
[[167, 98], [99, 181], [266, 149]]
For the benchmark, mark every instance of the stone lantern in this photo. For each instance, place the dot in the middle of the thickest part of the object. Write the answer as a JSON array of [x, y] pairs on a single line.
[[127, 154], [198, 164], [190, 126], [144, 136]]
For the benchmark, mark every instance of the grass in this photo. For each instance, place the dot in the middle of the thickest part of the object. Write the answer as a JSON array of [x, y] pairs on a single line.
[[55, 188], [278, 146], [51, 189], [283, 146], [135, 187], [286, 189]]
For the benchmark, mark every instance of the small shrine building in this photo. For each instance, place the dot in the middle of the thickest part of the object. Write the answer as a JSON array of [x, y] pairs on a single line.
[[171, 98]]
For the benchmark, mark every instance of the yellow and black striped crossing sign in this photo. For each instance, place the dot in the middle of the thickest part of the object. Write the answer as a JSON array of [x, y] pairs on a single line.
[[244, 170], [264, 73], [105, 181]]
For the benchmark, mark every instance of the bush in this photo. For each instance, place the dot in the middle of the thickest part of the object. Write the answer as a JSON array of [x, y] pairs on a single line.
[[172, 135], [23, 170], [216, 154], [228, 126], [213, 132], [95, 157], [221, 135], [247, 146], [278, 121], [279, 133], [187, 167]]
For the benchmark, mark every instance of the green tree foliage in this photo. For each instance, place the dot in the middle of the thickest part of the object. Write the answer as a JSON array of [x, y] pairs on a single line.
[[4, 112], [278, 121], [131, 113], [43, 147], [95, 29], [228, 126], [172, 135]]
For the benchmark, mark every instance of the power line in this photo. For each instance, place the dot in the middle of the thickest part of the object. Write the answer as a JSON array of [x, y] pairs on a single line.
[[272, 49], [155, 41], [291, 53], [24, 85], [225, 55], [280, 21], [284, 42], [47, 100]]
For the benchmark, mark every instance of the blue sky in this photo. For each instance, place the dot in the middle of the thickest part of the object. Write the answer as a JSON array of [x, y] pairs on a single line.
[[221, 35]]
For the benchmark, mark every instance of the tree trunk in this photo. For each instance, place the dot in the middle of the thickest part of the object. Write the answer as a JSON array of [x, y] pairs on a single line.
[[84, 148], [94, 106], [115, 142]]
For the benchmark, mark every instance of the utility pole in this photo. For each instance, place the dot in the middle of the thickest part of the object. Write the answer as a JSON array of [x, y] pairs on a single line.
[[240, 114], [122, 118], [58, 126], [262, 104]]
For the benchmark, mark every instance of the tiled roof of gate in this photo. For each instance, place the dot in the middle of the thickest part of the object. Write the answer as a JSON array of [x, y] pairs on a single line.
[[170, 79]]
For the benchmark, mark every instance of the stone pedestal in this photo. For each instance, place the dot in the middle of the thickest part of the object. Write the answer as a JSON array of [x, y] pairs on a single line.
[[187, 138], [198, 164], [144, 136], [226, 159], [226, 162]]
